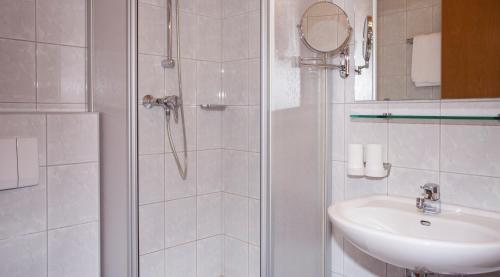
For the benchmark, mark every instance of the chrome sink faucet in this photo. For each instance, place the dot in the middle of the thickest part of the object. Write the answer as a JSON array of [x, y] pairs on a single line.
[[430, 201]]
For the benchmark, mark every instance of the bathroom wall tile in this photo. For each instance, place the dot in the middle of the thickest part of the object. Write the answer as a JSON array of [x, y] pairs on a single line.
[[393, 60], [211, 8], [254, 222], [253, 5], [18, 19], [209, 42], [392, 87], [177, 131], [189, 78], [338, 132], [209, 214], [254, 261], [389, 6], [413, 92], [233, 7], [188, 6], [235, 83], [152, 29], [235, 258], [436, 18], [209, 129], [393, 28], [337, 85], [209, 82], [151, 131], [60, 108], [17, 107], [338, 181], [254, 82], [61, 74], [471, 191], [359, 186], [67, 144], [24, 210], [175, 186], [189, 35], [254, 175], [153, 2], [24, 256], [181, 261], [180, 222], [27, 125], [151, 78], [61, 21], [419, 21], [254, 129], [357, 263], [415, 4], [254, 34], [455, 107], [406, 182], [73, 194], [151, 178], [209, 171], [210, 256], [152, 265], [469, 149], [74, 251], [414, 145], [235, 39], [235, 172], [17, 71], [236, 216], [235, 128], [151, 227]]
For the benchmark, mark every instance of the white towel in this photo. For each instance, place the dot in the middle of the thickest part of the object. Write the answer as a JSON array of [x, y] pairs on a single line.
[[426, 60]]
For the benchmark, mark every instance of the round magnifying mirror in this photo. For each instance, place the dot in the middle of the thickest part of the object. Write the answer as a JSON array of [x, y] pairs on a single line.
[[325, 28], [368, 38]]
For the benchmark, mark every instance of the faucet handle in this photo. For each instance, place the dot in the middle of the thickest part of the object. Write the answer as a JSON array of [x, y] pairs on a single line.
[[431, 191]]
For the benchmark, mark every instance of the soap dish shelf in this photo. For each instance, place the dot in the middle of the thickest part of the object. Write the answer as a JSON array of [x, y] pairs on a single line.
[[213, 107]]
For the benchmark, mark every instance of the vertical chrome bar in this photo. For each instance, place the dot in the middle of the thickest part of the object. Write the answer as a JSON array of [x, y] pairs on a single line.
[[169, 61]]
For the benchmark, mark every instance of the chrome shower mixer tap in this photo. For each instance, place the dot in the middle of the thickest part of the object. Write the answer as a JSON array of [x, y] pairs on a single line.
[[430, 201], [169, 103]]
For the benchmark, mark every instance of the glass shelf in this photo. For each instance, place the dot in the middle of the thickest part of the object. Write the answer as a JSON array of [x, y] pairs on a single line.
[[407, 116]]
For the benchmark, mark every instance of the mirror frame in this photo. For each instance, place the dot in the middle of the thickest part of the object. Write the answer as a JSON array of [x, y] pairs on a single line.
[[339, 49], [368, 36]]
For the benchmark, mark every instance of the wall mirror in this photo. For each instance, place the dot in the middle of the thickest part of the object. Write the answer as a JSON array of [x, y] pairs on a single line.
[[407, 61]]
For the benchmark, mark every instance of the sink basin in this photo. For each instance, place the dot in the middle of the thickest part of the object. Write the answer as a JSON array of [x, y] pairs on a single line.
[[459, 240]]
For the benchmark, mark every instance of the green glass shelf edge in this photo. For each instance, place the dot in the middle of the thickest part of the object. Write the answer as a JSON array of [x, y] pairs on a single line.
[[445, 117]]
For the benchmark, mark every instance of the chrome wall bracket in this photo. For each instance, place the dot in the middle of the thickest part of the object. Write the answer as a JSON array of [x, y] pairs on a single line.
[[322, 62]]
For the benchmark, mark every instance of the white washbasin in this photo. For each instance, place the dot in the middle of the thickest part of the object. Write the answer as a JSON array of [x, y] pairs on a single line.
[[458, 241]]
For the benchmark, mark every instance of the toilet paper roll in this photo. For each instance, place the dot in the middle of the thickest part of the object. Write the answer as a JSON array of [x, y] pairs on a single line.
[[355, 162]]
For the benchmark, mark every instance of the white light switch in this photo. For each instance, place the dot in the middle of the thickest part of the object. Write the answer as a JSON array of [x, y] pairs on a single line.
[[8, 164], [27, 161]]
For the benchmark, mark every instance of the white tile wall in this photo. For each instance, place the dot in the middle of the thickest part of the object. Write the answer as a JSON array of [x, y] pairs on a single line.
[[43, 55], [220, 61], [52, 229]]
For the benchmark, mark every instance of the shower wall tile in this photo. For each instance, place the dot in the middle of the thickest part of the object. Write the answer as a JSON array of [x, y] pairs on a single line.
[[209, 259], [175, 186], [209, 215], [61, 22], [209, 82], [236, 216], [254, 261], [209, 129], [72, 194], [180, 221], [152, 29], [67, 144], [209, 39], [235, 40], [18, 19], [235, 172], [151, 76], [235, 83], [189, 35], [254, 129], [235, 133], [61, 74], [189, 77], [177, 130], [62, 108], [151, 131], [152, 178], [24, 255], [209, 171], [254, 175], [181, 260], [254, 82], [254, 222], [17, 71], [152, 265], [151, 227], [74, 251], [254, 34], [234, 7], [211, 8], [235, 258]]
